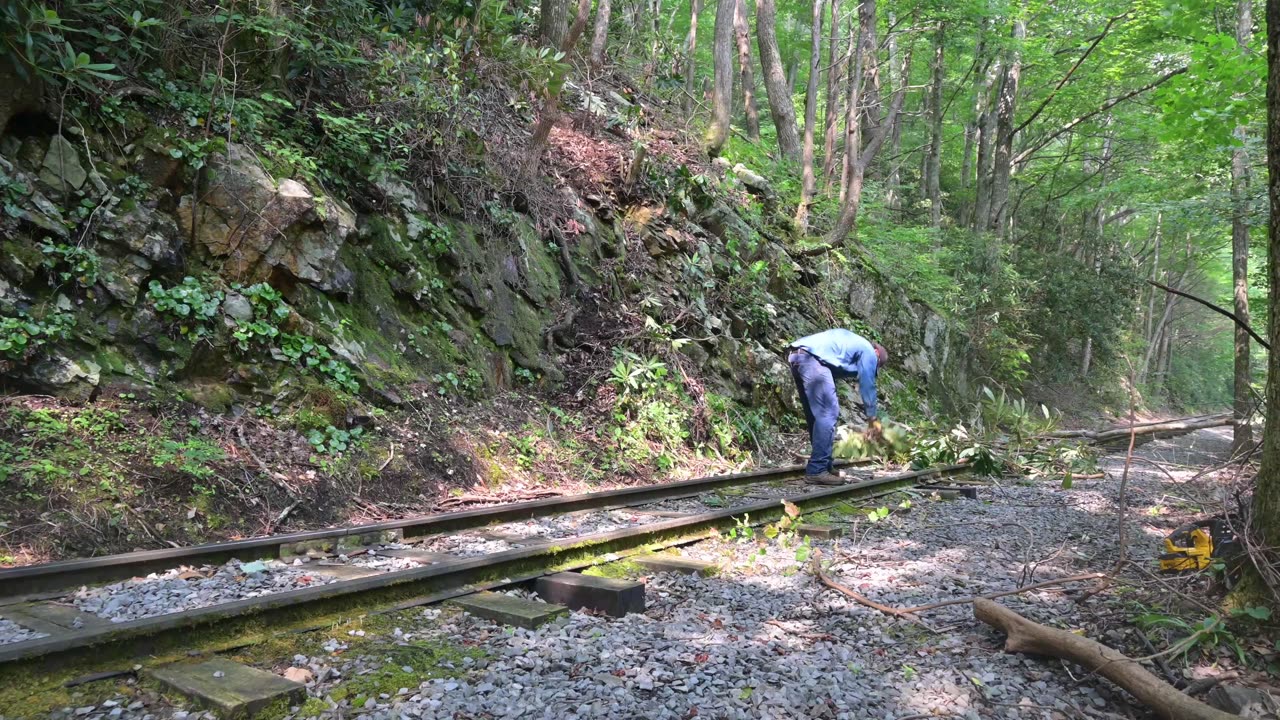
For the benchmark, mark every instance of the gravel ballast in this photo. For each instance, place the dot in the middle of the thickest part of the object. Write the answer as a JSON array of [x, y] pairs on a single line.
[[764, 639], [183, 589], [11, 632]]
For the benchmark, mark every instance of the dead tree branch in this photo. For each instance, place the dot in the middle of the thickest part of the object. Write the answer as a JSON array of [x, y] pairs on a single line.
[[1025, 636]]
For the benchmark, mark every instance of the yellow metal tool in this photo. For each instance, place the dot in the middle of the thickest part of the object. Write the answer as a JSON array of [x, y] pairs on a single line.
[[1190, 547]]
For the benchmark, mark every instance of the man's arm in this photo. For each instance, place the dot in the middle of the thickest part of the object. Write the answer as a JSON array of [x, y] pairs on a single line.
[[867, 382]]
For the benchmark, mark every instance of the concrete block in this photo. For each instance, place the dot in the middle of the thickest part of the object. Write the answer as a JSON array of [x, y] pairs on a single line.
[[819, 532], [231, 690], [510, 610], [607, 595], [665, 562]]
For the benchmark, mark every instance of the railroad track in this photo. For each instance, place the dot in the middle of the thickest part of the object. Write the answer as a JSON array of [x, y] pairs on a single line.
[[424, 560]]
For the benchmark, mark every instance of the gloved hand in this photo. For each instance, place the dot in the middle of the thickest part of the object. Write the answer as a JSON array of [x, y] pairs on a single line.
[[875, 431]]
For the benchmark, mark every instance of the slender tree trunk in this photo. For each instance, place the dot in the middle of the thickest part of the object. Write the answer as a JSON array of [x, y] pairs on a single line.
[[742, 32], [834, 66], [893, 191], [722, 94], [1003, 156], [655, 37], [551, 103], [986, 139], [933, 161], [781, 106], [809, 184], [846, 225], [553, 23], [971, 132], [690, 50], [600, 35], [1266, 494], [1243, 433], [852, 125], [1155, 270]]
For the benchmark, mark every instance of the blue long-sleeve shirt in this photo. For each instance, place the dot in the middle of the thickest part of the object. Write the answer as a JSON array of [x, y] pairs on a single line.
[[848, 355]]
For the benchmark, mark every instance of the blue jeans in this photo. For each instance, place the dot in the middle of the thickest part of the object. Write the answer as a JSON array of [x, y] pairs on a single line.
[[817, 390]]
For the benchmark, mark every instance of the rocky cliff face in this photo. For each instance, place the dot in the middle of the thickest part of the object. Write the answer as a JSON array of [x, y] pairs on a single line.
[[127, 266]]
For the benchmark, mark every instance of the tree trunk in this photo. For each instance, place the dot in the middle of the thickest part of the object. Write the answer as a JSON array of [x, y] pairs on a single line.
[[600, 35], [893, 191], [853, 128], [1266, 494], [722, 93], [551, 103], [933, 161], [986, 130], [846, 224], [781, 107], [742, 31], [690, 48], [809, 185], [655, 19], [1003, 155], [553, 23], [1155, 270], [1243, 400], [835, 65]]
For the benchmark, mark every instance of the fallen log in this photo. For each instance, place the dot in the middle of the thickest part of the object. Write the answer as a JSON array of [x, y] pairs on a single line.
[[1176, 427], [1032, 638]]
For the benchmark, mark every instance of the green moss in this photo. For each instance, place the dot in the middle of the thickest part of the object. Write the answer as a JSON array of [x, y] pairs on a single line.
[[313, 707], [215, 397], [425, 660], [622, 569]]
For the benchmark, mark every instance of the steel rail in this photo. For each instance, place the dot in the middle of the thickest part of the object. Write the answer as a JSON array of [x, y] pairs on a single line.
[[405, 588], [29, 581]]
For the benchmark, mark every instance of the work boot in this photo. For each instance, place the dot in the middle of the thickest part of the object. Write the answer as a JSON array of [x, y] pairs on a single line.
[[825, 478]]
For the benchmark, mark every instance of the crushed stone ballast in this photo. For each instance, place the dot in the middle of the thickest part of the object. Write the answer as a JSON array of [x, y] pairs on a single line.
[[292, 604], [46, 579]]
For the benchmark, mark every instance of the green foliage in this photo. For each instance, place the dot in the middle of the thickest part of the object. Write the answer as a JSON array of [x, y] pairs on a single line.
[[21, 335], [191, 305], [194, 456], [269, 308], [332, 440], [650, 413], [70, 263], [469, 384], [310, 355], [955, 445], [1206, 636], [38, 41]]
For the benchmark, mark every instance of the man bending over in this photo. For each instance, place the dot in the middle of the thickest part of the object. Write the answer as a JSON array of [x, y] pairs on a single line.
[[817, 361]]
